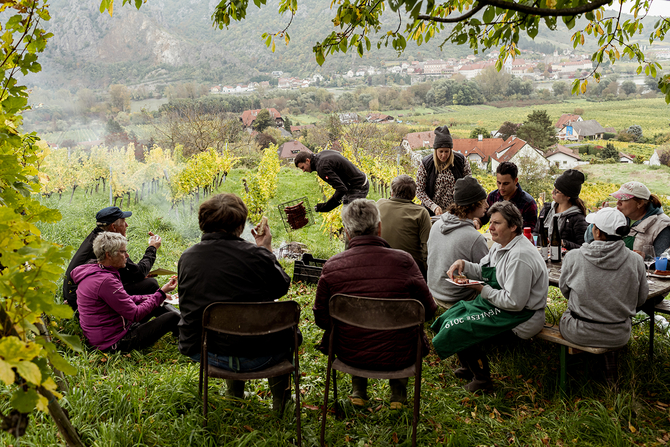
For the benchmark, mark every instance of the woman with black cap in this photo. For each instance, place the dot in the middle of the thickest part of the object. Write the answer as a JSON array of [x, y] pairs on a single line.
[[569, 208], [438, 173]]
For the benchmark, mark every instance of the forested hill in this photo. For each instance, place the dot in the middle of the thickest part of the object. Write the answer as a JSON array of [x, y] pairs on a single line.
[[173, 40]]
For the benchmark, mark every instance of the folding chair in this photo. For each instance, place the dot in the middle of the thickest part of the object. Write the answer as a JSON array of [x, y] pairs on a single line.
[[247, 319], [380, 314]]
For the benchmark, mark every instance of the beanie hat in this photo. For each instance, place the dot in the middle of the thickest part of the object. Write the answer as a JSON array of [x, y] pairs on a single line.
[[443, 138], [570, 183], [468, 191]]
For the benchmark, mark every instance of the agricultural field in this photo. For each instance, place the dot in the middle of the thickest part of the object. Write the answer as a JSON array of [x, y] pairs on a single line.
[[151, 397], [656, 178], [652, 114]]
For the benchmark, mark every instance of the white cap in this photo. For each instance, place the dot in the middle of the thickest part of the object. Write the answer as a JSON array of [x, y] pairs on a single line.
[[632, 189], [608, 220]]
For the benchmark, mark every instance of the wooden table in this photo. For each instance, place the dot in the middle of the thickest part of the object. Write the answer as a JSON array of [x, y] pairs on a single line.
[[658, 287]]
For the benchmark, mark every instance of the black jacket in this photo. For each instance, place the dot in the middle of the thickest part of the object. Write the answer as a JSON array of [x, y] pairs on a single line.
[[342, 175], [572, 233], [226, 268], [133, 276], [457, 170]]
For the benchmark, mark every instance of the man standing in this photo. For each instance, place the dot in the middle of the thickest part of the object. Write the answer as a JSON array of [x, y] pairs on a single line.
[[507, 178], [405, 225], [348, 181], [370, 268], [133, 276]]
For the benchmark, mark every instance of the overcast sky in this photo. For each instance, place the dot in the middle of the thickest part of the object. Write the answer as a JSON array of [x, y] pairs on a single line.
[[658, 8]]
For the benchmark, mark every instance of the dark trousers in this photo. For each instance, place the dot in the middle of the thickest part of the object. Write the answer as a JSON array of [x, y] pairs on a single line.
[[147, 332]]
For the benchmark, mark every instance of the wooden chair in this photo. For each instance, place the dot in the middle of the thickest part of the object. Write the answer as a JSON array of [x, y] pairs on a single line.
[[378, 314], [248, 319]]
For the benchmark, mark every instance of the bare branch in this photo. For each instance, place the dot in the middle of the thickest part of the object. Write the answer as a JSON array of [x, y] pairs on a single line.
[[511, 6]]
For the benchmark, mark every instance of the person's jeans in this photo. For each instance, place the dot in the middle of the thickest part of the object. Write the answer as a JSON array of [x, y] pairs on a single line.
[[243, 364]]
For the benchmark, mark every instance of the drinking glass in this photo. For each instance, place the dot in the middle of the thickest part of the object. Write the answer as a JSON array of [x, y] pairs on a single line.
[[649, 255]]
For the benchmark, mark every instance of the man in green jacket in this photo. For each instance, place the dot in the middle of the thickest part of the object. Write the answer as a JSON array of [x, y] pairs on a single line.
[[405, 225]]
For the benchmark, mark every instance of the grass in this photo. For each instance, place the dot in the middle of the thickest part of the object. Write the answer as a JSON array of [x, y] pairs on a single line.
[[656, 178], [150, 397]]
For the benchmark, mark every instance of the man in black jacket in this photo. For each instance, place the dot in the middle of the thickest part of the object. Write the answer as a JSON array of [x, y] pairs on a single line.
[[347, 180], [223, 267], [133, 276]]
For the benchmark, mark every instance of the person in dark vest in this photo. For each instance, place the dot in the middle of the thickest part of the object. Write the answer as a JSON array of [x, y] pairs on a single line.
[[133, 276], [347, 180], [438, 173]]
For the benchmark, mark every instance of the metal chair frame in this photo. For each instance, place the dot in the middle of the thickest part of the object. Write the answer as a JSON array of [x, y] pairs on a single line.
[[249, 319], [375, 314]]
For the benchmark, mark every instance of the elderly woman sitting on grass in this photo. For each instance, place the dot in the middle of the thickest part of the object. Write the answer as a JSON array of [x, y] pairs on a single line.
[[512, 283], [111, 319]]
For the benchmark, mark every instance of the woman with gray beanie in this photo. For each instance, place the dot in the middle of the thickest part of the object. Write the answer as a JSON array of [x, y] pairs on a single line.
[[438, 172], [454, 237], [569, 208]]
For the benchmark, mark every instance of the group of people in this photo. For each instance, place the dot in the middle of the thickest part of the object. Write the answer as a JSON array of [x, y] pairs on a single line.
[[393, 251]]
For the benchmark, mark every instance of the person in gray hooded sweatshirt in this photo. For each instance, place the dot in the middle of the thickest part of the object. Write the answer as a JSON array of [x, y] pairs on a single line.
[[454, 237], [604, 283]]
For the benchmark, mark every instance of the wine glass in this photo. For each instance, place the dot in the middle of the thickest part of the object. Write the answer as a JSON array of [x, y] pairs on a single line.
[[649, 255]]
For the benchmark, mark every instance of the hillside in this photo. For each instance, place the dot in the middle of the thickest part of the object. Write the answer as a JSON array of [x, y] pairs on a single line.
[[170, 41]]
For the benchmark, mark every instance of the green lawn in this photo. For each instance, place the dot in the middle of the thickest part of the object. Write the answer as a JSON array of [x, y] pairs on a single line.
[[150, 398], [656, 178]]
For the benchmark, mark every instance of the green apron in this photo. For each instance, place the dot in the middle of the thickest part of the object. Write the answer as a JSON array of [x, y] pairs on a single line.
[[629, 241], [468, 323]]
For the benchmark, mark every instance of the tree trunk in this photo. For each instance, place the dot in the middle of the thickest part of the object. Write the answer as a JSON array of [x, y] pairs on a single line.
[[73, 190]]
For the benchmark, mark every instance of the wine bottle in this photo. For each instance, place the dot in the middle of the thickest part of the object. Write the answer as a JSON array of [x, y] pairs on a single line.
[[555, 242], [542, 239]]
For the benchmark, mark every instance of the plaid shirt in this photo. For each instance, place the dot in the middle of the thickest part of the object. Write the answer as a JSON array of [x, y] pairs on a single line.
[[522, 200]]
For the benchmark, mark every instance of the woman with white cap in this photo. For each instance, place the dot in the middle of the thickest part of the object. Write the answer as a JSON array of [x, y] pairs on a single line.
[[569, 209], [599, 311], [649, 225], [438, 172]]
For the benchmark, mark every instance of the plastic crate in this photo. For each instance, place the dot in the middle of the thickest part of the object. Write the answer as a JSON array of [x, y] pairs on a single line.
[[308, 269]]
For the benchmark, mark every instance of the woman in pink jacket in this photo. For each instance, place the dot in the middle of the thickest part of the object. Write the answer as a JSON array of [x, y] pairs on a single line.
[[111, 319]]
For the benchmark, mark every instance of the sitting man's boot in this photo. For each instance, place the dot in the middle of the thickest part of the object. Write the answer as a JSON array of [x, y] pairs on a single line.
[[235, 388], [398, 393], [359, 395], [280, 389], [479, 365], [463, 372]]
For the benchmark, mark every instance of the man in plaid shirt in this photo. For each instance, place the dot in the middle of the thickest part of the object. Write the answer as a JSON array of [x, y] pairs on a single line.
[[509, 189]]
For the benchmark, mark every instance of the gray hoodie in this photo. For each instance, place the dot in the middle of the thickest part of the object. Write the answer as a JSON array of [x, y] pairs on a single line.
[[522, 274], [604, 282], [452, 239]]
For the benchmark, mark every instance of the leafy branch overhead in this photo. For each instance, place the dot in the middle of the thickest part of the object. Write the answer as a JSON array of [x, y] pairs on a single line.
[[482, 24]]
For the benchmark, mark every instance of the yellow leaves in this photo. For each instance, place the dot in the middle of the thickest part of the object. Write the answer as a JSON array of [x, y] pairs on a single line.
[[6, 372], [551, 4], [631, 428], [42, 404], [581, 39], [584, 85]]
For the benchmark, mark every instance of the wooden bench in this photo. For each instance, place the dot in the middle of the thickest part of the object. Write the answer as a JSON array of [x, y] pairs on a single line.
[[552, 334]]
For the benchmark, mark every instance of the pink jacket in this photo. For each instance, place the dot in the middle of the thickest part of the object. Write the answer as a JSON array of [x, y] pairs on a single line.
[[105, 309]]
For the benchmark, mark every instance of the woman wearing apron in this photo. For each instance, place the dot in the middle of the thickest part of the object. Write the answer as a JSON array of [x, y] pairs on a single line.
[[512, 297]]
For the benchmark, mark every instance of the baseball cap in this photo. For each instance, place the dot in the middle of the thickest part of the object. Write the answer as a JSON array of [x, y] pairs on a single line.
[[632, 189], [110, 215], [608, 220]]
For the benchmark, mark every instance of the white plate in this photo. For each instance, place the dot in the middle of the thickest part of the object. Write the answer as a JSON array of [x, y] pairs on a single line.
[[472, 281], [658, 276], [174, 300]]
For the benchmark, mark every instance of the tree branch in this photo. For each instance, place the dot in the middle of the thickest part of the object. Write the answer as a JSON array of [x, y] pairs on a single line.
[[511, 6]]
